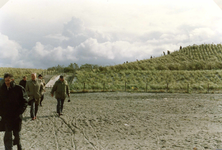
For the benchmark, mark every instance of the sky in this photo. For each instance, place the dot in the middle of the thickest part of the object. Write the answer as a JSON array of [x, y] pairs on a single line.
[[47, 33]]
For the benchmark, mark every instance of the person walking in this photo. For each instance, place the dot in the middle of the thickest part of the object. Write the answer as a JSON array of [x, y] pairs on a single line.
[[23, 81], [42, 94], [13, 102], [34, 88], [61, 88]]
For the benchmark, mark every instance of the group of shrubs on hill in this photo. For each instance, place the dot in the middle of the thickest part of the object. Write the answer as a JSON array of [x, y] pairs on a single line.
[[193, 65], [196, 57], [165, 80], [186, 65]]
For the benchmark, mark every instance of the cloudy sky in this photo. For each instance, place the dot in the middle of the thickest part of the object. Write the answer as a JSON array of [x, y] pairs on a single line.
[[45, 33]]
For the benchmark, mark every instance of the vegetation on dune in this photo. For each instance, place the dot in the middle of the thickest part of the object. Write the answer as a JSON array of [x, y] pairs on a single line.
[[149, 80], [197, 67], [195, 57], [18, 73]]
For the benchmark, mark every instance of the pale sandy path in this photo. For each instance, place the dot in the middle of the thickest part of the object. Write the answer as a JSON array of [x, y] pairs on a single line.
[[52, 81]]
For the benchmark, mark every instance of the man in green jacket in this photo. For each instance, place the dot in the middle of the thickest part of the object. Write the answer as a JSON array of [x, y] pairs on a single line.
[[42, 94], [34, 88], [61, 88]]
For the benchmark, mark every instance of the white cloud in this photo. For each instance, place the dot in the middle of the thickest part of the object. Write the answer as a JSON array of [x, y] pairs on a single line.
[[9, 49], [3, 2], [219, 3], [57, 37], [43, 33]]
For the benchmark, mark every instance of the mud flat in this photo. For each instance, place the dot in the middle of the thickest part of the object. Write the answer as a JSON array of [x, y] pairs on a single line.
[[126, 121]]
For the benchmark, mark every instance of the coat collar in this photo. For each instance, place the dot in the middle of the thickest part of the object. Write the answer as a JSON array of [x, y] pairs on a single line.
[[61, 81], [12, 85]]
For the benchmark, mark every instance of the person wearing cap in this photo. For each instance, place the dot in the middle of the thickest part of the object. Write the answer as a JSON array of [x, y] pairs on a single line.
[[23, 81], [61, 89], [42, 94], [34, 88], [13, 102]]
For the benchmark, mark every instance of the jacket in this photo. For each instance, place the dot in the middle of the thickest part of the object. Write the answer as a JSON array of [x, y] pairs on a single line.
[[34, 89], [13, 102], [43, 82], [22, 83], [61, 89]]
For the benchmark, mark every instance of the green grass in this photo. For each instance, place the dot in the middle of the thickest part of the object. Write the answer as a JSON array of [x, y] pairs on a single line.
[[150, 80], [18, 73], [195, 57], [197, 66]]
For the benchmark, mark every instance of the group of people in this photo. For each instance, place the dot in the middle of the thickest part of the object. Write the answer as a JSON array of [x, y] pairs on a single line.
[[14, 100]]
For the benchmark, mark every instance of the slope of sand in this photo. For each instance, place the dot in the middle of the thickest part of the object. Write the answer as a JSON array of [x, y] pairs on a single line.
[[126, 121], [52, 81]]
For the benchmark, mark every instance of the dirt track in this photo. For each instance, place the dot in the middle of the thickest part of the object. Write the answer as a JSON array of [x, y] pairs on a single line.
[[126, 121], [52, 81]]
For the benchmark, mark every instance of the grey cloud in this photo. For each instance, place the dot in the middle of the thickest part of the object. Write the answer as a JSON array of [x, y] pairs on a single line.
[[150, 36], [81, 45], [184, 35], [90, 51], [78, 33], [74, 27]]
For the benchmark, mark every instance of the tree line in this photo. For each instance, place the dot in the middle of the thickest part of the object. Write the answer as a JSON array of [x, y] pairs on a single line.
[[73, 67]]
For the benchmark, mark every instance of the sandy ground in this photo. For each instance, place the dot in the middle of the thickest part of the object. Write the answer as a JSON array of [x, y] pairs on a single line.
[[126, 121], [51, 82]]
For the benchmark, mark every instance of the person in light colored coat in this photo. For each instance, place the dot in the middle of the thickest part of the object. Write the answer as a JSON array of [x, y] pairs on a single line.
[[34, 88], [61, 89]]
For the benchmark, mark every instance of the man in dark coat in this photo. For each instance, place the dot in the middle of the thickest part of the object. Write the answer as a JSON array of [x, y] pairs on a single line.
[[13, 102], [23, 81]]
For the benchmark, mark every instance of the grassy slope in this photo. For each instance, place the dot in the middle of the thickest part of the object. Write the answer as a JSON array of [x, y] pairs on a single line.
[[18, 73], [197, 65], [196, 57]]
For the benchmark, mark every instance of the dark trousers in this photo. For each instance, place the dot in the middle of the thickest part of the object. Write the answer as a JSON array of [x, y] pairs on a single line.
[[34, 108], [9, 130], [42, 97], [60, 103]]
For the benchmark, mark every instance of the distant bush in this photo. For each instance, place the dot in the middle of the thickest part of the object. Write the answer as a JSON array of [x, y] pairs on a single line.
[[68, 69], [157, 86]]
